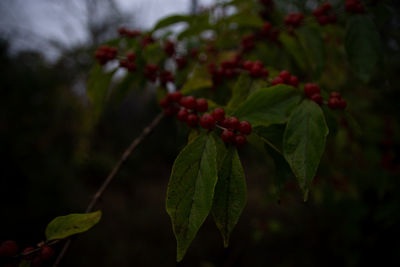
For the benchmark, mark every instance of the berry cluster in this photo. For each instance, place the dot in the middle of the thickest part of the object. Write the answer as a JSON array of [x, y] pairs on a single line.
[[268, 31], [323, 16], [105, 53], [247, 42], [336, 101], [9, 249], [124, 32], [285, 77], [150, 72], [146, 40], [228, 69], [256, 68], [354, 6], [169, 48], [294, 19], [187, 108], [181, 62], [165, 77], [128, 62]]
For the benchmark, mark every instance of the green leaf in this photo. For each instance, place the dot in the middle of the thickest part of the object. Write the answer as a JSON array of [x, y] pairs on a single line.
[[171, 20], [272, 135], [314, 47], [294, 48], [304, 142], [65, 226], [363, 45], [240, 91], [24, 263], [152, 54], [199, 80], [230, 194], [245, 19], [97, 89], [191, 190], [268, 106]]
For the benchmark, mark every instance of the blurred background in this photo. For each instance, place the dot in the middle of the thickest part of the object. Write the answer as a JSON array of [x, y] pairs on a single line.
[[54, 157]]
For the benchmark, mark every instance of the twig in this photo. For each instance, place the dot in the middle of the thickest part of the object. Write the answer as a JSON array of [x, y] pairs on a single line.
[[146, 131]]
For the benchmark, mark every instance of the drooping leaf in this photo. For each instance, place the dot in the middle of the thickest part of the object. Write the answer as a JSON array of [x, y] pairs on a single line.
[[245, 19], [363, 45], [304, 142], [271, 135], [97, 89], [191, 190], [294, 48], [314, 47], [221, 149], [230, 194], [65, 226], [152, 53], [171, 20], [240, 91], [268, 106], [197, 81]]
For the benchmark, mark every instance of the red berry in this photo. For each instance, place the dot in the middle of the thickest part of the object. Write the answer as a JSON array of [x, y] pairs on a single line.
[[131, 56], [218, 114], [194, 53], [8, 248], [248, 65], [233, 123], [264, 73], [285, 75], [335, 95], [175, 96], [317, 98], [201, 105], [239, 140], [207, 122], [36, 262], [182, 114], [323, 20], [171, 110], [318, 12], [245, 127], [192, 120], [227, 136], [277, 80], [165, 102], [256, 70], [311, 89], [27, 250], [188, 102], [326, 7], [294, 81], [342, 103], [181, 62], [46, 253]]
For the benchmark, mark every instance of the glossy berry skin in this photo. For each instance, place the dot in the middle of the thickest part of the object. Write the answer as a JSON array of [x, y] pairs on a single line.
[[294, 81], [277, 80], [285, 75], [188, 102], [171, 110], [311, 89], [239, 140], [317, 98], [201, 105], [233, 123], [335, 94], [46, 253], [207, 122], [182, 114], [333, 103], [192, 120], [245, 127], [27, 250], [227, 136], [8, 248], [175, 96], [131, 56], [165, 102], [218, 114]]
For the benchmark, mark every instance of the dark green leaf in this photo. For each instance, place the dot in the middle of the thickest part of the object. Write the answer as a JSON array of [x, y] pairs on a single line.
[[97, 89], [304, 142], [294, 48], [272, 135], [65, 226], [269, 105], [191, 190], [240, 91], [199, 80], [24, 263], [230, 194], [245, 19], [171, 20], [152, 53], [363, 45]]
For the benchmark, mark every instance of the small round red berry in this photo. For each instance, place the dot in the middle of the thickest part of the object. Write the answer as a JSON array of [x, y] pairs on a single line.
[[36, 262], [30, 255], [165, 102], [317, 98], [171, 110], [233, 123], [192, 120], [175, 96], [335, 95], [326, 6], [311, 89], [182, 114], [285, 75], [131, 56], [201, 105], [207, 122], [245, 127], [318, 12], [333, 102], [294, 81], [239, 140], [264, 73], [227, 136], [342, 103], [277, 80], [188, 102], [248, 65], [218, 114], [46, 253], [8, 248]]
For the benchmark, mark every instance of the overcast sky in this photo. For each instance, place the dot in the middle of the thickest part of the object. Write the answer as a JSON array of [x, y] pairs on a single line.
[[31, 23]]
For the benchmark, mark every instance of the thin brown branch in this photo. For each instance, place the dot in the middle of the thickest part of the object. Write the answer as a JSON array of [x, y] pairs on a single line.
[[146, 131]]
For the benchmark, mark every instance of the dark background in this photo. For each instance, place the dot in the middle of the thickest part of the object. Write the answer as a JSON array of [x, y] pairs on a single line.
[[54, 158]]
